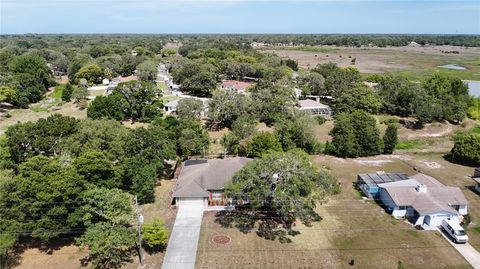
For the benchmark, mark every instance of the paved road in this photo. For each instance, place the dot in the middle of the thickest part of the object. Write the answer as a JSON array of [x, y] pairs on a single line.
[[468, 252], [182, 246]]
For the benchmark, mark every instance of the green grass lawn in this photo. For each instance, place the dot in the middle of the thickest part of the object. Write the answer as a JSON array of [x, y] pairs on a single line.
[[57, 93], [410, 144], [169, 98]]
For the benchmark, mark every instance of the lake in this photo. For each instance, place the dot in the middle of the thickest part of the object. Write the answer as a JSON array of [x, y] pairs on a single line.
[[454, 67], [474, 88]]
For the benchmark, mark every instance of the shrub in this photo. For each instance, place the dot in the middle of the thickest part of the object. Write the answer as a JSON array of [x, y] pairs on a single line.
[[466, 149], [154, 233], [320, 120]]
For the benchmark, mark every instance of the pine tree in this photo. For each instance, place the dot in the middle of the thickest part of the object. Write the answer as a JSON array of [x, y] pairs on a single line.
[[390, 139]]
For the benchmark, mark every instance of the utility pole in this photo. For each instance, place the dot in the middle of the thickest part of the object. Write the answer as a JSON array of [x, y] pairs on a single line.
[[139, 229]]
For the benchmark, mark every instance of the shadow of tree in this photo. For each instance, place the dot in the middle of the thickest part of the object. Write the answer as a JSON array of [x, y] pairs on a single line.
[[266, 224], [14, 257], [154, 250], [450, 158]]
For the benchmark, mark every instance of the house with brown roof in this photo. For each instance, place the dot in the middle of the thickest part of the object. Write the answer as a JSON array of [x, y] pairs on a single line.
[[423, 200], [202, 182]]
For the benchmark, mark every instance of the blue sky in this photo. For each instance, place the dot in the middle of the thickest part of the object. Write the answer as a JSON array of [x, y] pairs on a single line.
[[240, 16]]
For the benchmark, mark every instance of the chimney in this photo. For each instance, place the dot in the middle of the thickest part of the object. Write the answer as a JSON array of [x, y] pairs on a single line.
[[421, 188]]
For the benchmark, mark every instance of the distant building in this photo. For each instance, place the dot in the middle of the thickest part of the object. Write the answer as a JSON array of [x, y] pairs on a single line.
[[235, 85], [315, 108], [171, 107]]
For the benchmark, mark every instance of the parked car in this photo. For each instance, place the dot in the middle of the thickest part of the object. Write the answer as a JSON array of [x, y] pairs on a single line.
[[456, 232]]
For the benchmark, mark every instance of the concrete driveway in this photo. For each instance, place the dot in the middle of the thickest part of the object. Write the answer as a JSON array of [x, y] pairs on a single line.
[[182, 245], [468, 252]]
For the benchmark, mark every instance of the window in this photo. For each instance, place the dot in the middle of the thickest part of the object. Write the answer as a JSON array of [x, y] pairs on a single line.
[[402, 207], [216, 195]]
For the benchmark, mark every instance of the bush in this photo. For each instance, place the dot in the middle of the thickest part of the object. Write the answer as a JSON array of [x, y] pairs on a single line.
[[320, 120], [154, 233], [466, 149], [261, 143]]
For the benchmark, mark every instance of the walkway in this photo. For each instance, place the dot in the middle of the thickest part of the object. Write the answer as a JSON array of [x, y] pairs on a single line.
[[468, 252], [182, 246]]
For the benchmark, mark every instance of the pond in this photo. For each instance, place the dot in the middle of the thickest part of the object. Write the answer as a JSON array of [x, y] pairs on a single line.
[[454, 67], [474, 88]]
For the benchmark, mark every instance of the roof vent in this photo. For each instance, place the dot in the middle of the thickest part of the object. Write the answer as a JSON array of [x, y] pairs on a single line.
[[421, 188]]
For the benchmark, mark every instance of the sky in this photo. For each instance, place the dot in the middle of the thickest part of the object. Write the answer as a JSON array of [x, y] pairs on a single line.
[[240, 16]]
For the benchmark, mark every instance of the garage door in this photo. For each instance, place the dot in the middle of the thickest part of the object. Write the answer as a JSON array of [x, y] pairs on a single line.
[[191, 202]]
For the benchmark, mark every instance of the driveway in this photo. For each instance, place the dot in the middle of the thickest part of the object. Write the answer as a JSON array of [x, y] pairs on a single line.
[[468, 252], [182, 245]]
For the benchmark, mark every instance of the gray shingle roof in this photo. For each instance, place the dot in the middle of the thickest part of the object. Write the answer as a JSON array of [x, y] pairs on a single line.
[[437, 197], [199, 176]]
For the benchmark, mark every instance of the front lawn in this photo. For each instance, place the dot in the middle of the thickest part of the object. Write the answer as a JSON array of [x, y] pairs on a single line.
[[352, 231]]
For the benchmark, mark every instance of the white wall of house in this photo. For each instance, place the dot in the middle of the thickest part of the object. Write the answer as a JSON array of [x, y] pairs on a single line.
[[435, 219], [397, 211]]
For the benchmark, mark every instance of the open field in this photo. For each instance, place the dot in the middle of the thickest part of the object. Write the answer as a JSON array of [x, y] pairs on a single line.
[[413, 62], [352, 229], [68, 256], [24, 115]]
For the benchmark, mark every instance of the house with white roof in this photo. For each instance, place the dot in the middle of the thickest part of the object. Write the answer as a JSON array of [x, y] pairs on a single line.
[[315, 108]]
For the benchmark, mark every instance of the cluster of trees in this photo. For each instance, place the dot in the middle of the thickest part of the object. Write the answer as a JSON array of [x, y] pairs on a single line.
[[24, 79], [344, 85], [356, 135], [63, 176], [439, 98], [27, 63], [357, 40], [204, 64], [135, 100]]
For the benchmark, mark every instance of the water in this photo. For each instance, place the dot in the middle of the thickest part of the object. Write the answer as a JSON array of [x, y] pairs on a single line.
[[474, 88], [454, 67]]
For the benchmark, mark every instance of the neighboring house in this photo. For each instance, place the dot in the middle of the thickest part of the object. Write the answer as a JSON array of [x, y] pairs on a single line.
[[235, 85], [202, 182], [423, 200], [476, 178], [171, 107], [315, 108]]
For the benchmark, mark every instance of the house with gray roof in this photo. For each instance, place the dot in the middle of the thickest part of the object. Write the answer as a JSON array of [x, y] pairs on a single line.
[[202, 182], [423, 200]]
